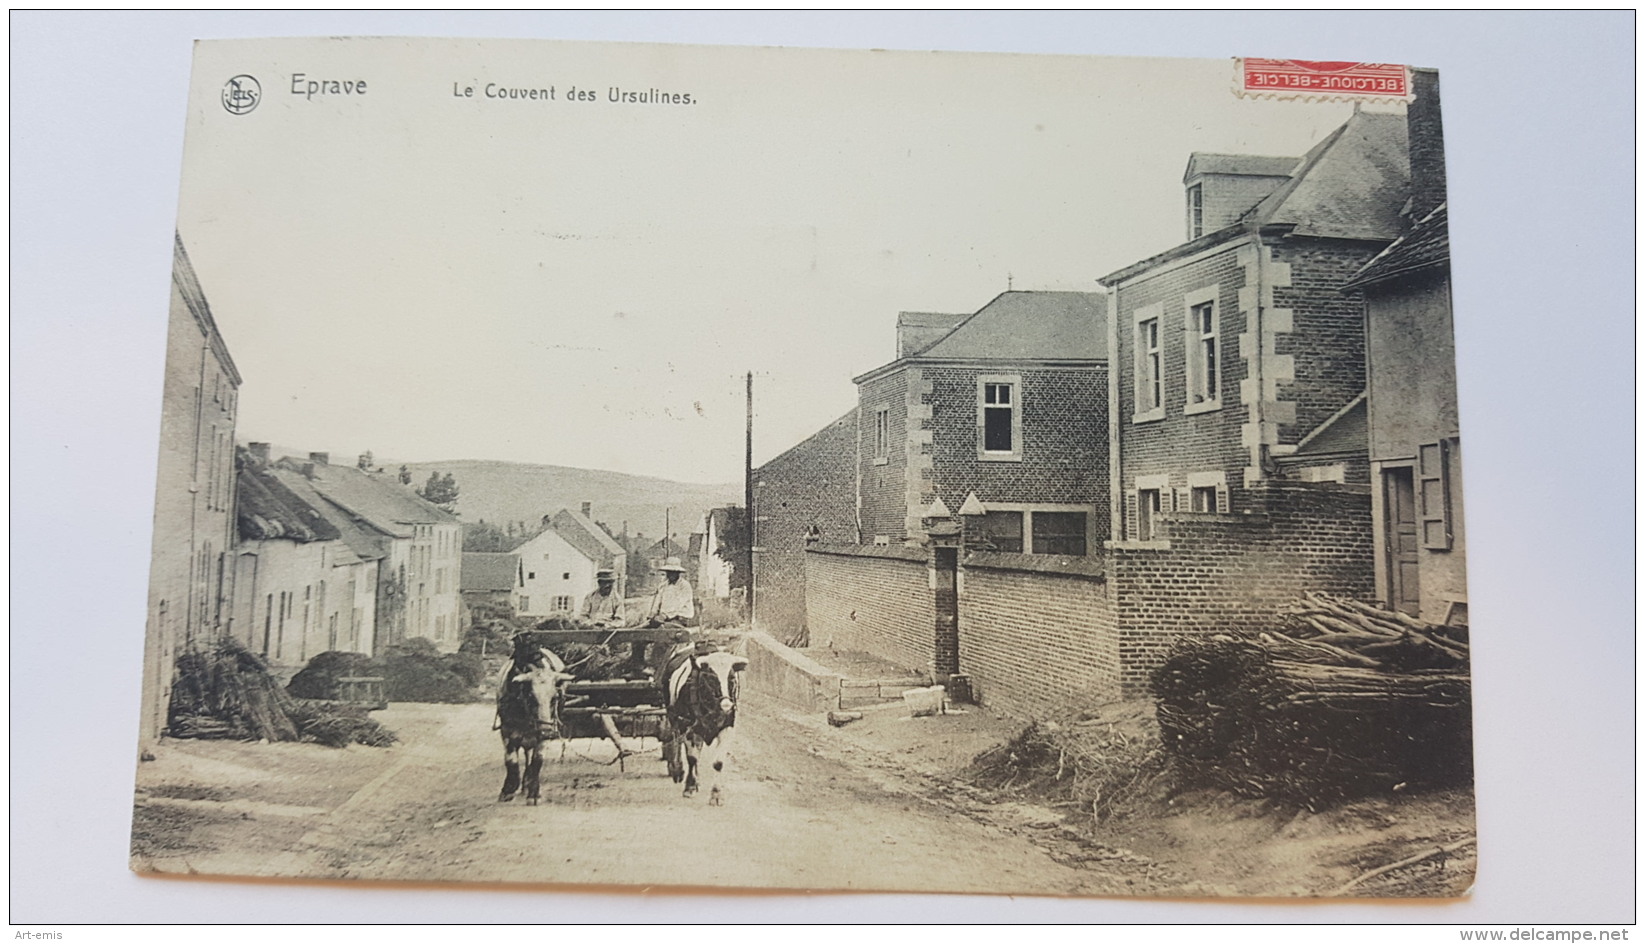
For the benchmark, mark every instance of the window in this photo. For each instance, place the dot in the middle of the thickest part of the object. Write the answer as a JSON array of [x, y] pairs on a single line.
[[1203, 347], [1434, 494], [1207, 493], [1002, 531], [562, 603], [999, 417], [1150, 375], [1148, 509], [525, 604], [1196, 211], [566, 575], [882, 435], [1058, 532]]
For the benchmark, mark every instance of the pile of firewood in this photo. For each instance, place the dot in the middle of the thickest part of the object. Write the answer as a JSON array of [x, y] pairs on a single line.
[[1347, 700], [226, 691]]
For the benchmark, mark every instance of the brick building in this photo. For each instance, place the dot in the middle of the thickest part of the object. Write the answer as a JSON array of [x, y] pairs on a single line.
[[1414, 436], [1007, 404], [1237, 357], [805, 496], [189, 580]]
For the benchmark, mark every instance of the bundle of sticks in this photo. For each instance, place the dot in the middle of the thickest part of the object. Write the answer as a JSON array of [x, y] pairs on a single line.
[[1348, 700], [226, 691]]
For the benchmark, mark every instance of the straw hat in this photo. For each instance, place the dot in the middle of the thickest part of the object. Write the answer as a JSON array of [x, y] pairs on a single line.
[[673, 563]]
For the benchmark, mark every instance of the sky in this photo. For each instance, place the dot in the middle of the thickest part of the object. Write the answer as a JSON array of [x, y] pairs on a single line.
[[433, 274]]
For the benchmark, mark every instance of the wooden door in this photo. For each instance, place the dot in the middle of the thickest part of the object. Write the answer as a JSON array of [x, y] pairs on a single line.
[[1402, 540]]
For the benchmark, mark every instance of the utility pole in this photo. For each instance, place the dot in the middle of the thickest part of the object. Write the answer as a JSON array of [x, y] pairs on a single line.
[[748, 494]]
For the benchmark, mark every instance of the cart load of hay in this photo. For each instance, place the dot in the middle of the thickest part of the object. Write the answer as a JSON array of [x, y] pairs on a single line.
[[1342, 700]]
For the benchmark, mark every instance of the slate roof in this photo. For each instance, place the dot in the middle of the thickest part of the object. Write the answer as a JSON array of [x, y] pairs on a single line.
[[586, 536], [918, 330], [489, 572], [264, 509], [364, 542], [1352, 185], [1426, 246], [1059, 325], [665, 547], [383, 503], [1346, 432], [1243, 165]]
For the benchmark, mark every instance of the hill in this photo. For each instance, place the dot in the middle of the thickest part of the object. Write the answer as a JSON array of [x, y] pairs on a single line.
[[501, 492]]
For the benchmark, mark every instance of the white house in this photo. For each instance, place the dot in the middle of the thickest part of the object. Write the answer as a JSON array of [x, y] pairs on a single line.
[[305, 575], [559, 564], [420, 575], [713, 577]]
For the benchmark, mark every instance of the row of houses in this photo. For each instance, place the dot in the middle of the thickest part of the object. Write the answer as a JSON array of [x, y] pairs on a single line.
[[292, 557], [1042, 495]]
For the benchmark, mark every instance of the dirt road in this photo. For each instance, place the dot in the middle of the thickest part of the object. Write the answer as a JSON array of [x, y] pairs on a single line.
[[804, 810]]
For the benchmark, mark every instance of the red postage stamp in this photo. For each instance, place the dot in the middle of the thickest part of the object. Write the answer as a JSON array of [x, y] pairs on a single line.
[[1298, 78]]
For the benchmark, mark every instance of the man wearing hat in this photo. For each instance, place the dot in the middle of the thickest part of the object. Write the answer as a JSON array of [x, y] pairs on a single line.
[[604, 606], [673, 602]]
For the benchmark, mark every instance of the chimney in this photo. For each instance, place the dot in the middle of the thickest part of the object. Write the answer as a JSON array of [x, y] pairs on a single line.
[[1427, 142], [1220, 188], [918, 330], [320, 458], [588, 510], [259, 452]]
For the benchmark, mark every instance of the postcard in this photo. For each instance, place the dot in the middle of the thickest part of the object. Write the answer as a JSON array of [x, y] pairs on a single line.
[[685, 467]]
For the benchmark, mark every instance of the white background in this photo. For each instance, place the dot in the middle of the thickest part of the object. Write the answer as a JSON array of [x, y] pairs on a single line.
[[1540, 147]]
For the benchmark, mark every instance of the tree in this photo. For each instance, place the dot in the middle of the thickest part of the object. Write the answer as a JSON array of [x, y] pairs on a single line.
[[405, 475], [366, 461], [440, 490], [486, 537], [733, 544]]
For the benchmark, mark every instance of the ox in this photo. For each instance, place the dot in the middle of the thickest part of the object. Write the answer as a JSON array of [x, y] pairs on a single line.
[[528, 713], [702, 710]]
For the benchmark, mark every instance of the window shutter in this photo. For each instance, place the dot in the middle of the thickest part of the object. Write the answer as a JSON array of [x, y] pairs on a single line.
[[1131, 501], [1434, 494], [1222, 499], [1184, 500]]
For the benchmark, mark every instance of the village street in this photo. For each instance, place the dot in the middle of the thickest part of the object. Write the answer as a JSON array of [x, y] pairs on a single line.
[[805, 809]]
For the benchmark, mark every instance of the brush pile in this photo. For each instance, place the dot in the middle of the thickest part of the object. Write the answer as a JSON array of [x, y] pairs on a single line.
[[1104, 762], [1348, 700], [227, 692]]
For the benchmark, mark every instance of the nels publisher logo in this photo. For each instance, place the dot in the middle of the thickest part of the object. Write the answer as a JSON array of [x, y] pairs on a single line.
[[241, 94]]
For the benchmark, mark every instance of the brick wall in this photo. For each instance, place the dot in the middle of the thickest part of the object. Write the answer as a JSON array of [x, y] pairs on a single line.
[[1327, 336], [1316, 367], [1181, 443], [812, 484], [884, 483], [1214, 573], [1064, 439], [872, 599], [1037, 632]]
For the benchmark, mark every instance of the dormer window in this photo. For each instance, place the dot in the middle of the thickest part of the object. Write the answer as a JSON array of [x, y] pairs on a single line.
[[1196, 211]]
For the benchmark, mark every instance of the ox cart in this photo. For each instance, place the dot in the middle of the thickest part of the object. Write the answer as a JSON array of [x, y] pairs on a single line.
[[634, 705]]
